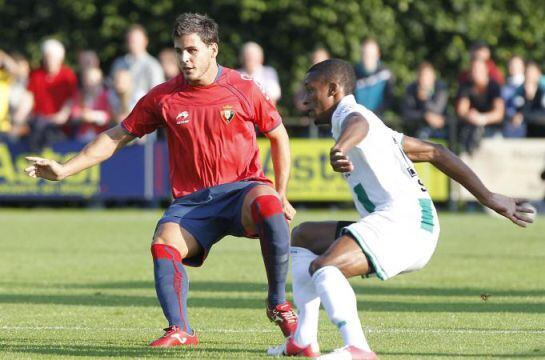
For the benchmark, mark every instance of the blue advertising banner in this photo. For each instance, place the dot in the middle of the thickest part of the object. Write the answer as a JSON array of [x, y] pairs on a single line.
[[121, 177]]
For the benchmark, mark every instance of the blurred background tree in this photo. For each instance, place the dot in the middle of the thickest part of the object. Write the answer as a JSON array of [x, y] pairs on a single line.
[[409, 31]]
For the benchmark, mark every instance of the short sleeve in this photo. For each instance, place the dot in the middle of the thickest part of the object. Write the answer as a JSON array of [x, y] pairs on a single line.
[[266, 117], [463, 91], [495, 90], [143, 119], [398, 137]]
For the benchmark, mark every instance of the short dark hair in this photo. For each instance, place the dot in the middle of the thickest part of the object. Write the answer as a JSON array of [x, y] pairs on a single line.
[[193, 23], [336, 70]]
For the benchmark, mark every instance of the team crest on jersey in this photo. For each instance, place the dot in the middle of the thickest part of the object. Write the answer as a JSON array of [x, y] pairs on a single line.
[[227, 113]]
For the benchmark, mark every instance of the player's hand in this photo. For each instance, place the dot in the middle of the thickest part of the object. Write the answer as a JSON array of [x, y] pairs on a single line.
[[510, 208], [340, 161], [289, 211], [45, 169]]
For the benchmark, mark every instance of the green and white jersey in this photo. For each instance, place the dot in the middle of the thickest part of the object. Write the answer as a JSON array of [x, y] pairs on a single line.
[[384, 179]]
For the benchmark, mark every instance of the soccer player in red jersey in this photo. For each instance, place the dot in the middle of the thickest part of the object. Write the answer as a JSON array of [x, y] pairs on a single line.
[[210, 113]]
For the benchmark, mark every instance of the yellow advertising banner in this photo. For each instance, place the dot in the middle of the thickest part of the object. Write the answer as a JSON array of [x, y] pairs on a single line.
[[312, 178]]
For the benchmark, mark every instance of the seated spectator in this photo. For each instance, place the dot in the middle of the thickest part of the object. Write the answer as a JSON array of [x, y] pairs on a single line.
[[479, 107], [15, 100], [169, 63], [374, 83], [512, 127], [87, 59], [53, 87], [252, 59], [425, 105], [145, 70], [481, 51], [120, 95], [530, 103], [92, 109]]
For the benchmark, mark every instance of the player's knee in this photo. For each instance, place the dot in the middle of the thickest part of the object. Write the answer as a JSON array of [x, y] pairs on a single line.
[[299, 236], [317, 264], [164, 239], [265, 206]]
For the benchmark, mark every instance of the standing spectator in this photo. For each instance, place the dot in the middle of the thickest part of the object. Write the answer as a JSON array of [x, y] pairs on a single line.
[[425, 105], [53, 87], [512, 127], [479, 107], [530, 102], [167, 58], [145, 70], [252, 59], [119, 96], [92, 109], [481, 51], [374, 81]]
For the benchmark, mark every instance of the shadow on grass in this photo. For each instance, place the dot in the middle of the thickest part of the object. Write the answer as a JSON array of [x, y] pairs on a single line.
[[133, 352], [104, 299], [231, 286]]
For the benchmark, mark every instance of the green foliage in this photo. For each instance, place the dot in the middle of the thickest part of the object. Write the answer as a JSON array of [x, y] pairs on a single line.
[[409, 31]]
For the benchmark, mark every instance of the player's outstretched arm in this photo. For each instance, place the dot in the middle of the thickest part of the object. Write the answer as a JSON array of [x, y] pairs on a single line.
[[98, 150], [281, 158], [450, 164]]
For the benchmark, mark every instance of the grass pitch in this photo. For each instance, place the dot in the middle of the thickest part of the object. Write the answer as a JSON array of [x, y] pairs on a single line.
[[79, 284]]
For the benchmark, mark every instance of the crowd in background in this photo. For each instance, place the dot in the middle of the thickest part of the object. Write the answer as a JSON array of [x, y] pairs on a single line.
[[53, 103]]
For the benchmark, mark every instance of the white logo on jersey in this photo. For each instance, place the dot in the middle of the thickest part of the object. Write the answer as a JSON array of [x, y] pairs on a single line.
[[182, 118]]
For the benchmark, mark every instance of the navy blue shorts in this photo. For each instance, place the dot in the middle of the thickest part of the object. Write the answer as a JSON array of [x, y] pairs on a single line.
[[210, 214]]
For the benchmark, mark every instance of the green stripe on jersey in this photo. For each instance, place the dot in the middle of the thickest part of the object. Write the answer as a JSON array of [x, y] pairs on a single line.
[[426, 220], [364, 199]]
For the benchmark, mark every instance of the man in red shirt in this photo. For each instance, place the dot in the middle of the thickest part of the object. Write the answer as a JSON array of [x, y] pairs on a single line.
[[53, 87], [210, 113]]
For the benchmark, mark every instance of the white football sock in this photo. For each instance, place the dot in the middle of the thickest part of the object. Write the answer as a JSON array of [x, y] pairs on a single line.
[[339, 301], [305, 297]]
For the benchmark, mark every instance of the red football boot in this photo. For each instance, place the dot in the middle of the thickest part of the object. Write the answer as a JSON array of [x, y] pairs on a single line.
[[174, 336], [284, 316], [350, 353], [291, 348]]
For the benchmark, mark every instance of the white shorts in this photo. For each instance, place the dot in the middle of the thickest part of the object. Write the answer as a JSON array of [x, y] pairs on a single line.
[[396, 246]]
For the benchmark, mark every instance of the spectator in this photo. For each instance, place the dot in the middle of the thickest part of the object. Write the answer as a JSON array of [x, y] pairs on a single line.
[[479, 107], [318, 55], [53, 87], [87, 59], [512, 127], [530, 102], [481, 51], [425, 105], [92, 110], [252, 59], [119, 96], [374, 83], [15, 100], [169, 63], [145, 70]]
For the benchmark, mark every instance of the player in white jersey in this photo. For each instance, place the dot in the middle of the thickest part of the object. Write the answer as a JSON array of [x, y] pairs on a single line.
[[398, 229]]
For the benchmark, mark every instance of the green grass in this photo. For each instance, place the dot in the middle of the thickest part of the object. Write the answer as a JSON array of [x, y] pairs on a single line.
[[79, 284]]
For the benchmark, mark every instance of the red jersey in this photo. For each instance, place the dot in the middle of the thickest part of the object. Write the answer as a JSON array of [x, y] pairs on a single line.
[[210, 129], [52, 91]]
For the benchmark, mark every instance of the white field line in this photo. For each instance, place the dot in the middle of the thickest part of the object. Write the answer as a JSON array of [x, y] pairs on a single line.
[[369, 330]]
